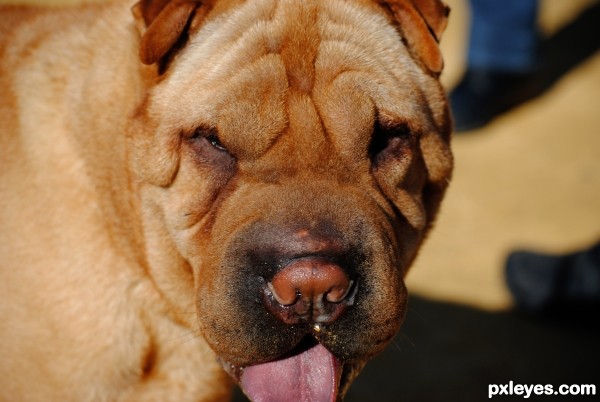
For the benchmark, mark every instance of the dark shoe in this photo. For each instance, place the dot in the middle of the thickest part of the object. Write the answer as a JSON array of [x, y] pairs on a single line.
[[544, 284], [482, 95]]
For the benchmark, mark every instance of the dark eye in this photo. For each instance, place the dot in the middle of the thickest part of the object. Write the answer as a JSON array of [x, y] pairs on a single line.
[[209, 135], [215, 142], [389, 141], [207, 148]]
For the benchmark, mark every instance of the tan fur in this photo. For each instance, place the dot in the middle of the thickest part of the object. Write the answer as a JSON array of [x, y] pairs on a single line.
[[110, 226]]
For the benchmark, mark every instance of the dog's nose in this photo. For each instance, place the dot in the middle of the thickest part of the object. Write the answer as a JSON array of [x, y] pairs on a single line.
[[309, 289]]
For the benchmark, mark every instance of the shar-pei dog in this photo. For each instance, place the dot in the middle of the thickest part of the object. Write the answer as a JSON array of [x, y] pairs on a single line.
[[195, 193]]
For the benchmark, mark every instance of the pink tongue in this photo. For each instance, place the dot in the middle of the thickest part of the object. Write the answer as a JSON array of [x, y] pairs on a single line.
[[311, 376]]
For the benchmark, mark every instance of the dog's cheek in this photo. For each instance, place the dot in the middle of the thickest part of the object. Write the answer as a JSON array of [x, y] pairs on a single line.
[[401, 177], [155, 152], [438, 161], [194, 198]]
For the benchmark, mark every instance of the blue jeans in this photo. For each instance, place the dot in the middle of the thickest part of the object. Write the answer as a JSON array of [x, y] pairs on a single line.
[[503, 35]]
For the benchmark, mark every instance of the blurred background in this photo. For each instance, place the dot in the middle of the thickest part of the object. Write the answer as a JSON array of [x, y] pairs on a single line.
[[528, 180]]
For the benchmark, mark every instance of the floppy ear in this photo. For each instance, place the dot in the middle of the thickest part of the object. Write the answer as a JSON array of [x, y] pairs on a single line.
[[163, 23], [422, 23]]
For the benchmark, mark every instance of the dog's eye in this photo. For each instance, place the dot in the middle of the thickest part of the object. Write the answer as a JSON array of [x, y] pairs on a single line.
[[389, 141], [215, 142], [207, 149], [209, 135]]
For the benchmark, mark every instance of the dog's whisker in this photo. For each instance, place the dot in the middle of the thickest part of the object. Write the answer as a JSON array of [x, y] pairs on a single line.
[[396, 345], [421, 317], [192, 334], [407, 338]]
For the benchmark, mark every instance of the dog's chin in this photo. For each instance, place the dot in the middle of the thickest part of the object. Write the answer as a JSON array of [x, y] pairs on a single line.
[[310, 372]]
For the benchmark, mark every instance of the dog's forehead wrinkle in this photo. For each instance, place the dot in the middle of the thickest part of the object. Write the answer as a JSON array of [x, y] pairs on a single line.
[[254, 40], [248, 32], [241, 37]]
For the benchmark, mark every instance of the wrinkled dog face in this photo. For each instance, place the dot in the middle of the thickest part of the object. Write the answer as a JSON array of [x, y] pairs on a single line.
[[298, 151]]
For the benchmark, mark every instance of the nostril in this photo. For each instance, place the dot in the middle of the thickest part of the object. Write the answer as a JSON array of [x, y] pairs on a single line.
[[339, 293], [310, 280], [284, 296]]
